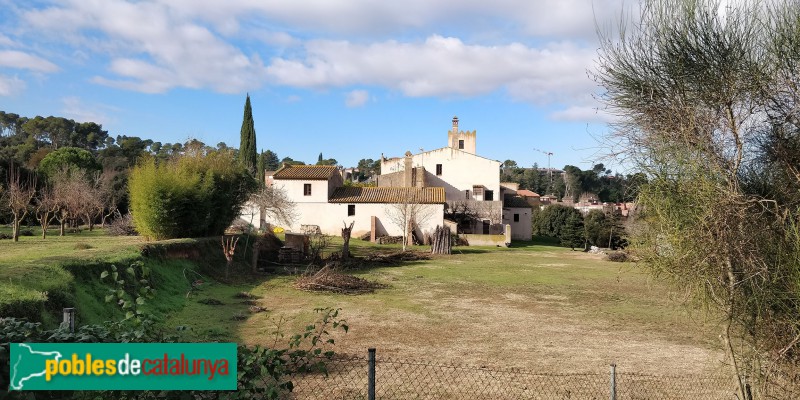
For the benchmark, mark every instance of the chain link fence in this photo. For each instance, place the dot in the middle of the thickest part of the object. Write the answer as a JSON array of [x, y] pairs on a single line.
[[386, 378]]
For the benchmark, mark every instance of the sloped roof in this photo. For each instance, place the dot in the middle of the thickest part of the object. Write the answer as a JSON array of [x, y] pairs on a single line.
[[306, 172], [511, 201], [389, 195], [527, 193]]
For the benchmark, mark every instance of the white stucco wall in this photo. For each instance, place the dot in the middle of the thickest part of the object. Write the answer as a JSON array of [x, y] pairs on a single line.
[[460, 171], [330, 217], [320, 190], [523, 229]]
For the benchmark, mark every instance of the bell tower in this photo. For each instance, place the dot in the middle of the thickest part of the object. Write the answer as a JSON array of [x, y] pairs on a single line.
[[461, 140]]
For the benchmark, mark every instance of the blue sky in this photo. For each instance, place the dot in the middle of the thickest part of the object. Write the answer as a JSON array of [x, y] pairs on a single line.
[[349, 78]]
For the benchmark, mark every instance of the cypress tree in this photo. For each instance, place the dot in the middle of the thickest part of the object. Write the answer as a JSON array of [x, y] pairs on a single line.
[[260, 168], [247, 146]]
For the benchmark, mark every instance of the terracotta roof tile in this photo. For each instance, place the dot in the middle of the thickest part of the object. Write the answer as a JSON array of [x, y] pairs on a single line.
[[428, 195], [527, 193], [512, 201], [307, 172]]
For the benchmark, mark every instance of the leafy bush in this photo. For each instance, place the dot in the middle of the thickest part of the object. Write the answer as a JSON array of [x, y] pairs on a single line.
[[191, 196], [26, 232]]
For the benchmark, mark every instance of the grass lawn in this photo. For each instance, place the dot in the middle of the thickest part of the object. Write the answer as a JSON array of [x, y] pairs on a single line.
[[536, 307], [69, 247], [539, 308], [31, 270]]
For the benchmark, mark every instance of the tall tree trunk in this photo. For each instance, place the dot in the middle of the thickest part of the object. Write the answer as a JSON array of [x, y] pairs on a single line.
[[61, 227], [346, 232], [15, 229]]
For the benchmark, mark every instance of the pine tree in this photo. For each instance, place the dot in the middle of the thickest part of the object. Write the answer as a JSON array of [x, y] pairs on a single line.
[[572, 234], [247, 146]]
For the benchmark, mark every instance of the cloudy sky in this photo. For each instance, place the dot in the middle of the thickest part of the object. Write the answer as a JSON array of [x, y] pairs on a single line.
[[349, 78]]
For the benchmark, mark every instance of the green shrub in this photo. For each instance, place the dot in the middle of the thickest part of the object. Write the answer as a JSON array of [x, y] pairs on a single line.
[[82, 246], [192, 196]]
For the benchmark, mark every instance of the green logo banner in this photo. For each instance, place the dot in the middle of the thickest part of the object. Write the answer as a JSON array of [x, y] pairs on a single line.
[[123, 366]]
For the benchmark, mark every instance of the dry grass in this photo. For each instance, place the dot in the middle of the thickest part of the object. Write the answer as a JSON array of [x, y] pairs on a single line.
[[552, 311]]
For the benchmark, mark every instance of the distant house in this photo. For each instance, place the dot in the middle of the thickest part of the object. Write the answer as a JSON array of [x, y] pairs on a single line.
[[531, 198]]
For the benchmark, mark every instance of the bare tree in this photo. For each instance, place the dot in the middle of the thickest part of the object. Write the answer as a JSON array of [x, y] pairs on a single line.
[[46, 208], [275, 204], [69, 189], [18, 198], [229, 249], [469, 213], [408, 214]]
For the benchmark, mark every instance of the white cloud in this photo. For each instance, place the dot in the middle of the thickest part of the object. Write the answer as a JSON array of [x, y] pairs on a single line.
[[582, 114], [159, 45], [441, 66], [6, 41], [549, 18], [10, 85], [74, 108], [21, 60], [164, 51], [356, 98]]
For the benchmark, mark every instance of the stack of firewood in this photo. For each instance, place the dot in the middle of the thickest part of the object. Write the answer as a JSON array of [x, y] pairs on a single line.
[[440, 241]]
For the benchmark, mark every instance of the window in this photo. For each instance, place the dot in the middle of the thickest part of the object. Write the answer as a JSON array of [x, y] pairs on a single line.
[[351, 210], [466, 194], [489, 195], [461, 144], [306, 189], [516, 217], [438, 169]]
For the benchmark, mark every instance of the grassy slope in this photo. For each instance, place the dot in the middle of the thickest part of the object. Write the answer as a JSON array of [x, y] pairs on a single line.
[[60, 272]]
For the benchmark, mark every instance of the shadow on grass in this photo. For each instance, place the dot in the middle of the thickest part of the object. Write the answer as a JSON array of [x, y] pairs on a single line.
[[468, 250], [544, 241]]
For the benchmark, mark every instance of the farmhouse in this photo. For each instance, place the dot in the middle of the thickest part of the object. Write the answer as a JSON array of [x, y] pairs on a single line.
[[451, 184]]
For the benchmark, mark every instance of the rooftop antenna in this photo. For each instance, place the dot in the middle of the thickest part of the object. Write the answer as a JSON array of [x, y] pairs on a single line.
[[549, 170]]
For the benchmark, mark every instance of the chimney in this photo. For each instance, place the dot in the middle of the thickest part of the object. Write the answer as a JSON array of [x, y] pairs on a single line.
[[407, 177], [455, 124]]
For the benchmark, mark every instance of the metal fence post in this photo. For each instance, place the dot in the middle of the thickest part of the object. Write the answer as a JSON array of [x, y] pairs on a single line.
[[613, 381], [69, 319], [371, 376]]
